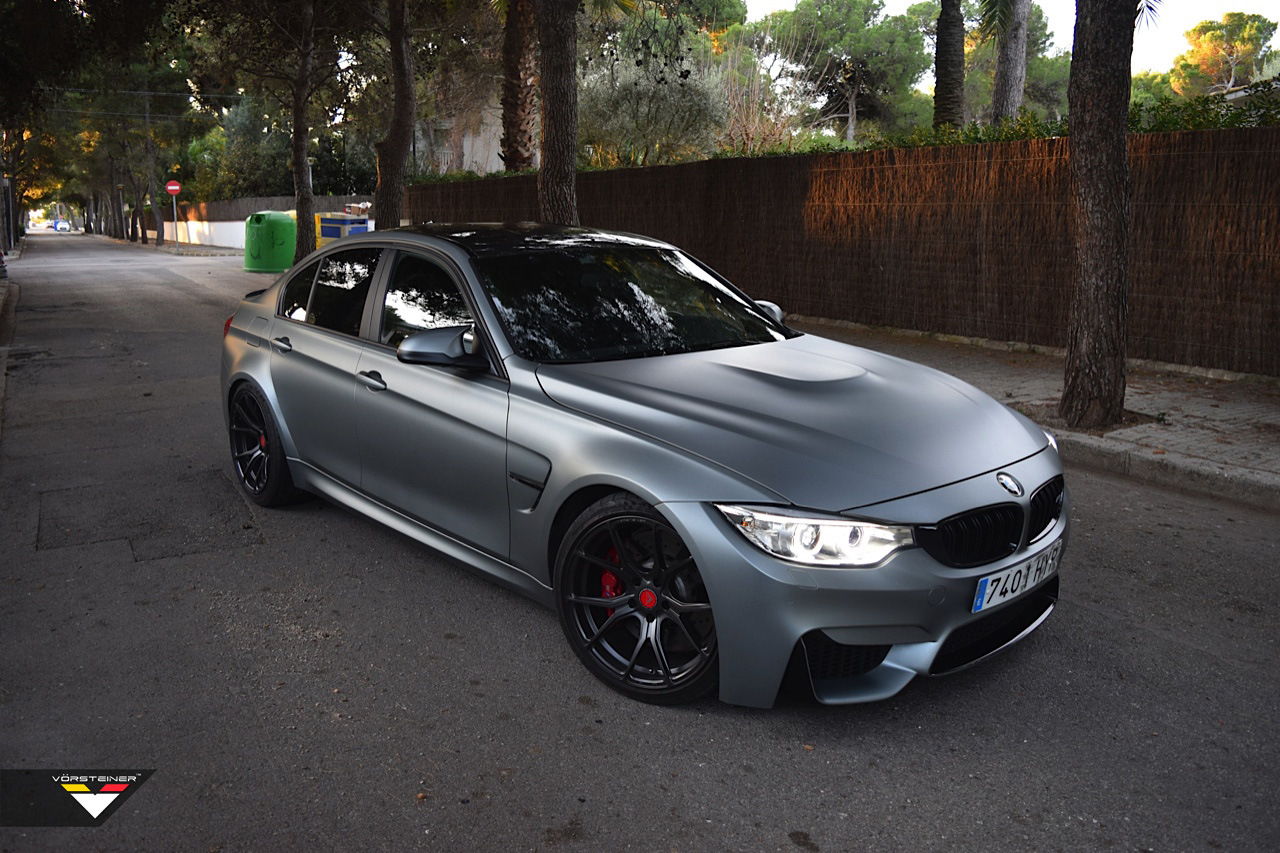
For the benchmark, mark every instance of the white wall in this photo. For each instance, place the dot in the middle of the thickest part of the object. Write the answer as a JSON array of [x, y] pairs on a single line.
[[228, 235]]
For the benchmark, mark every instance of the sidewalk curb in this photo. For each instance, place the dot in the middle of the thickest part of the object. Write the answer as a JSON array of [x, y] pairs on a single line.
[[1256, 488], [8, 306], [181, 250]]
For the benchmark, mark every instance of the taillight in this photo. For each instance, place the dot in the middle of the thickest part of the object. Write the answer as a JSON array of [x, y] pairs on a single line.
[[226, 327]]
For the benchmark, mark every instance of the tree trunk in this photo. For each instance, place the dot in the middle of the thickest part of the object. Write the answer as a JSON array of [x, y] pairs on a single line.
[[388, 197], [117, 204], [304, 200], [558, 175], [157, 210], [137, 220], [1098, 97], [948, 67], [1011, 64], [851, 124], [519, 93], [149, 148], [157, 206]]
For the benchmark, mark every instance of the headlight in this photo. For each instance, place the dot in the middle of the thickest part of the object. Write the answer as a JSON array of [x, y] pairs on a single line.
[[828, 541], [1053, 442]]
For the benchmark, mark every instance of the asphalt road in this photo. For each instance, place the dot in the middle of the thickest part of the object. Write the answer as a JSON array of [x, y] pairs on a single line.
[[303, 678]]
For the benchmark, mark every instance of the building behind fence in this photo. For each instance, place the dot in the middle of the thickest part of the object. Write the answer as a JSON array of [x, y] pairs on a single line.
[[971, 240]]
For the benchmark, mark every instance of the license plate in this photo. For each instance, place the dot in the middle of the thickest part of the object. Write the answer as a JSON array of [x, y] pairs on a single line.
[[1012, 582]]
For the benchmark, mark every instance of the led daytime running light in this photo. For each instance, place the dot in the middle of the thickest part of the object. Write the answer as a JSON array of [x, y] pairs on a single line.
[[830, 541]]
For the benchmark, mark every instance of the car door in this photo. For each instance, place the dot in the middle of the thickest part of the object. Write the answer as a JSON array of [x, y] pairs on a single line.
[[315, 350], [432, 438]]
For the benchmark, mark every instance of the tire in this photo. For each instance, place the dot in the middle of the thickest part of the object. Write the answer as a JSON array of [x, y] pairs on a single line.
[[257, 454], [633, 605]]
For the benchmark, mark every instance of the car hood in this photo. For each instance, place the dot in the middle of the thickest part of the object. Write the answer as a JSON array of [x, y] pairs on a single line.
[[822, 424]]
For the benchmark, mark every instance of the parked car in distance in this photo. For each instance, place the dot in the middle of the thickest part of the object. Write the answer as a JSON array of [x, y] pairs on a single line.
[[707, 498]]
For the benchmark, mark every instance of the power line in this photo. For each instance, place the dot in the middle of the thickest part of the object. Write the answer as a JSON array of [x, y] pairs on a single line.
[[158, 94], [154, 116]]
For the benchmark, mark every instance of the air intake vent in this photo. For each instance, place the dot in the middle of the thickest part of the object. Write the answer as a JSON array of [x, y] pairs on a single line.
[[974, 538], [828, 659], [1046, 506]]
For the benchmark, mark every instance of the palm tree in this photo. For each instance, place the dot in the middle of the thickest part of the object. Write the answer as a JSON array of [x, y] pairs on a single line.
[[519, 87], [948, 68]]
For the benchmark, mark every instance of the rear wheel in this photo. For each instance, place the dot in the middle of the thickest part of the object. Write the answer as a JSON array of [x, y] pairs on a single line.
[[256, 450], [633, 605]]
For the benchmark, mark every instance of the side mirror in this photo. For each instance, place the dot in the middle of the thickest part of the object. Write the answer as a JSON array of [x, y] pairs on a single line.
[[450, 346], [773, 310]]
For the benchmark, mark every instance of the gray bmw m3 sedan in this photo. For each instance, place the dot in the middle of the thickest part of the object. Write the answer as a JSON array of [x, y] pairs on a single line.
[[709, 499]]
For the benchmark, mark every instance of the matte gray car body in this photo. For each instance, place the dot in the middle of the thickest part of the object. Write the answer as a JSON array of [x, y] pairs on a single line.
[[492, 466]]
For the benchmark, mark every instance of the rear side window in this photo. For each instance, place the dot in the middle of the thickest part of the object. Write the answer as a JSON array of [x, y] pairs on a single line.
[[293, 304], [337, 302]]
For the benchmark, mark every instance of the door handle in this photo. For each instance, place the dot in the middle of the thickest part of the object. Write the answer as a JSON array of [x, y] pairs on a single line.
[[372, 379], [282, 344]]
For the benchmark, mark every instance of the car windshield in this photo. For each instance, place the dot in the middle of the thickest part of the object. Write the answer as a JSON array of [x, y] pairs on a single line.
[[597, 303]]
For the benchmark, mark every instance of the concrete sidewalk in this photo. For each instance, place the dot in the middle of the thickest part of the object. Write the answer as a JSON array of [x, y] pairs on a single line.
[[1193, 429], [1202, 430]]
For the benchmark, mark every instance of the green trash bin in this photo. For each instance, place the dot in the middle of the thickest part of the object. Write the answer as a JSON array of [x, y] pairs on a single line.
[[269, 241]]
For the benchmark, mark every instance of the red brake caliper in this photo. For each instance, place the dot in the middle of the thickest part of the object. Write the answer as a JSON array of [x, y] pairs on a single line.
[[610, 586]]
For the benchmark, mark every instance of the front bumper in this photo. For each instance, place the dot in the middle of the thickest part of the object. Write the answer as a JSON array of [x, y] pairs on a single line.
[[864, 633]]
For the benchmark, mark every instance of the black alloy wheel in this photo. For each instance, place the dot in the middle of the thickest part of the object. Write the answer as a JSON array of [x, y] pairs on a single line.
[[633, 605], [256, 451]]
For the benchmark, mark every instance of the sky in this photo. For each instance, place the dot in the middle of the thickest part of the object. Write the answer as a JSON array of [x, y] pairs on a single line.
[[1155, 43]]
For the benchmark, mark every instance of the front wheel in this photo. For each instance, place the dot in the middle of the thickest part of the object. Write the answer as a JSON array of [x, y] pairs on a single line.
[[632, 603]]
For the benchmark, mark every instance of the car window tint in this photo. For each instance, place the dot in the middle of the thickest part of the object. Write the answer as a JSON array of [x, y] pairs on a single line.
[[421, 296], [293, 304], [595, 303], [341, 288]]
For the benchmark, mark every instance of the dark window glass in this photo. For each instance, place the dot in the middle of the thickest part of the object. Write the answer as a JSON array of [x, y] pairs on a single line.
[[341, 288], [594, 303], [296, 293], [421, 296]]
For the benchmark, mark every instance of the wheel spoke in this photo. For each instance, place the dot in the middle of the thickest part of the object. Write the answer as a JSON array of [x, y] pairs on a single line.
[[253, 418], [634, 570], [616, 617], [255, 472], [635, 653], [659, 558], [684, 608], [598, 562], [693, 641], [660, 652], [620, 568], [614, 602], [675, 568]]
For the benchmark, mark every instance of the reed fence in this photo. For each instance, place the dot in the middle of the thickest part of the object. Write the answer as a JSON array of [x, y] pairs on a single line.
[[971, 240]]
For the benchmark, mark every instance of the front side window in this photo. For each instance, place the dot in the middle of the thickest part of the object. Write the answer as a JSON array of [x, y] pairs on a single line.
[[421, 296], [337, 302], [600, 302]]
